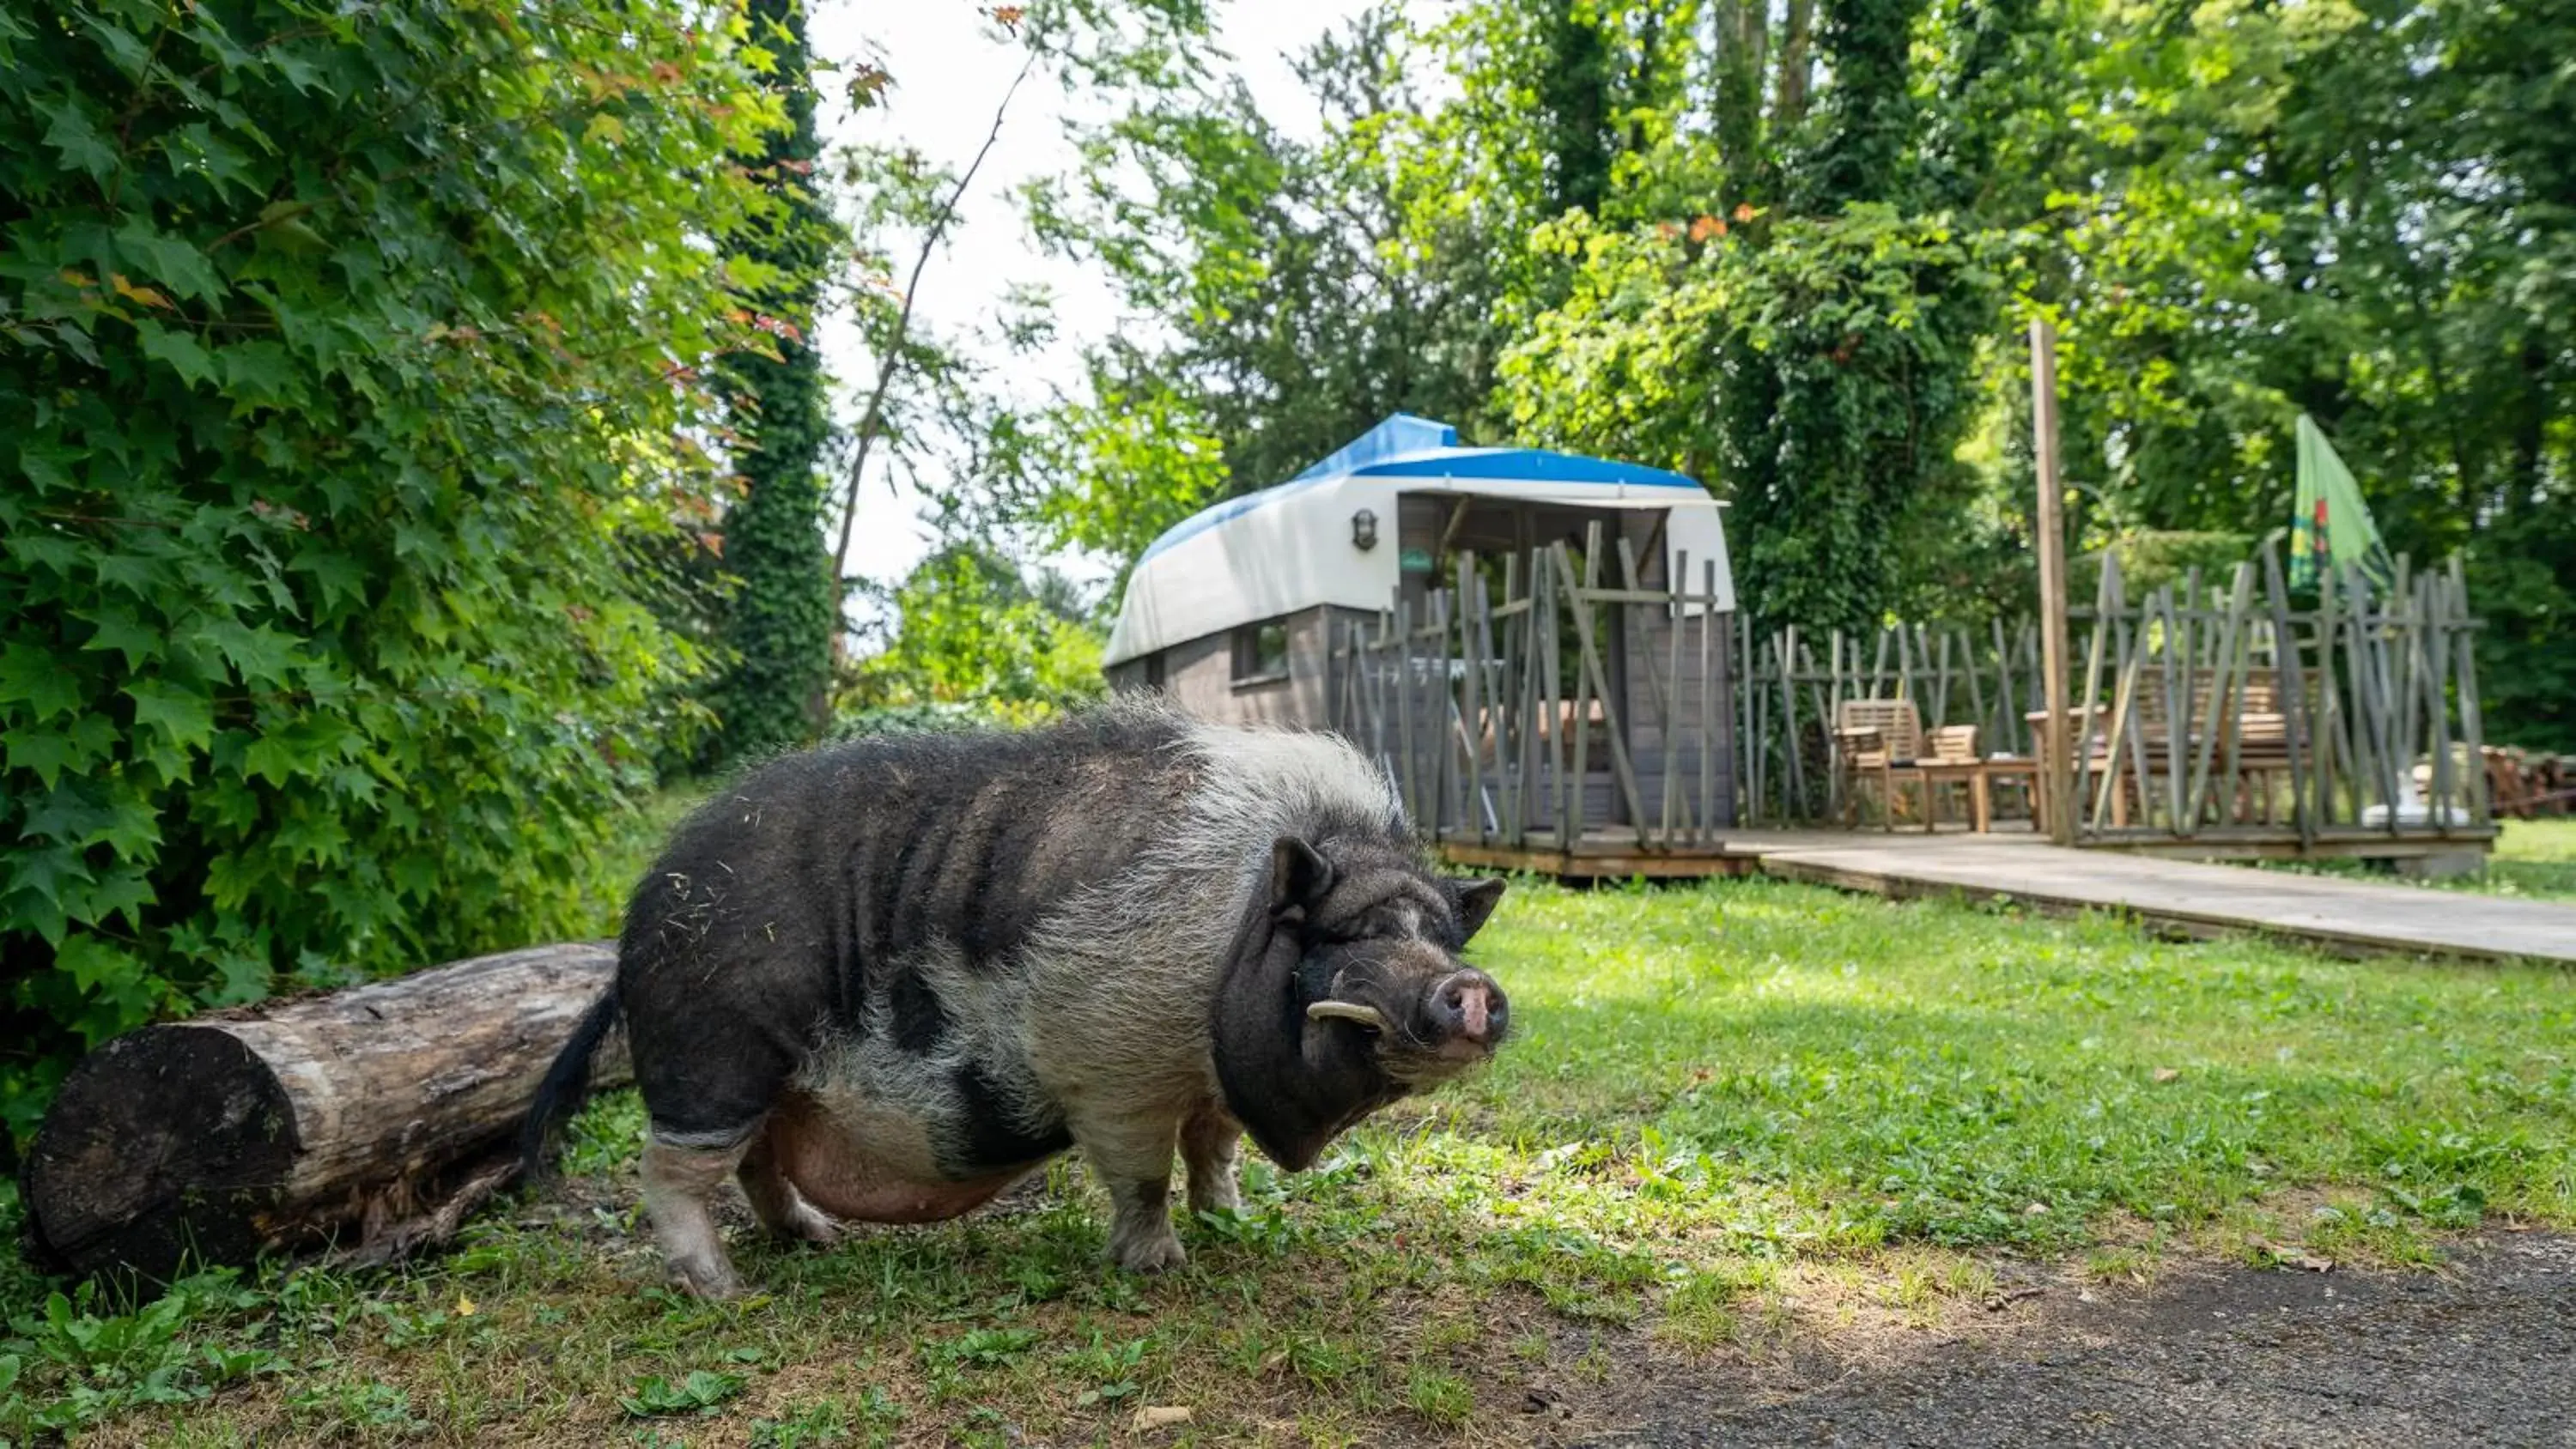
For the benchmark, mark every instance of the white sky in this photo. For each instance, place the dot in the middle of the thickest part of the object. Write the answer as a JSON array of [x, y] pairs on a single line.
[[948, 78]]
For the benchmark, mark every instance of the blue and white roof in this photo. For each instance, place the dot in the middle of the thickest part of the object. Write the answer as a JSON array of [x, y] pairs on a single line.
[[1288, 548]]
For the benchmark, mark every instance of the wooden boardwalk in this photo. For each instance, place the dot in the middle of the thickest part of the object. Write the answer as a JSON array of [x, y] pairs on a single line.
[[2188, 897]]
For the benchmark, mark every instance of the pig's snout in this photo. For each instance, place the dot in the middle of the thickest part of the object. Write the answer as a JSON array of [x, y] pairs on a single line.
[[1466, 1006]]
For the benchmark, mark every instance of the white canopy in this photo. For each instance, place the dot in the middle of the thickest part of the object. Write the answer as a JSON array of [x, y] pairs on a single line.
[[1289, 548]]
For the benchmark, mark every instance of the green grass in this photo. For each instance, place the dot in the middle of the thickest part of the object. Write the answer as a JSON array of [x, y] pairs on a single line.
[[1733, 1116], [2533, 859]]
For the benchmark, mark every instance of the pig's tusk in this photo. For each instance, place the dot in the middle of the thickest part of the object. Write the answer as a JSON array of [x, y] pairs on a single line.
[[1367, 1016]]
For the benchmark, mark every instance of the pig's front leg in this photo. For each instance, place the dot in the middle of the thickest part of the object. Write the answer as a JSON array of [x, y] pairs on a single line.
[[1133, 1160], [1209, 1140]]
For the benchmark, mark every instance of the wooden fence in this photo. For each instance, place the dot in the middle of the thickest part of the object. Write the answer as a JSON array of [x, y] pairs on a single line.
[[1568, 707], [2214, 711], [2208, 711], [1538, 706], [1795, 682]]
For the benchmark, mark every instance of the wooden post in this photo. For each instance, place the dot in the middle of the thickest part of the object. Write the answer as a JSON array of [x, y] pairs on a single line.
[[2472, 725], [1713, 695], [1406, 780], [2079, 775], [1748, 735], [2289, 679], [2051, 525], [1476, 646]]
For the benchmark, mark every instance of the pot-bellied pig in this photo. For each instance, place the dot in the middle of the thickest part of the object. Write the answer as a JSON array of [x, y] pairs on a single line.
[[884, 981]]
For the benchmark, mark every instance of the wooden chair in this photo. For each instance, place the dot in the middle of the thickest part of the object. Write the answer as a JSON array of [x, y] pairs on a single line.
[[1952, 759], [1878, 739]]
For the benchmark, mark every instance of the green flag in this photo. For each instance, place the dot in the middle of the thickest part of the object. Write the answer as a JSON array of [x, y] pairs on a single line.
[[2329, 527]]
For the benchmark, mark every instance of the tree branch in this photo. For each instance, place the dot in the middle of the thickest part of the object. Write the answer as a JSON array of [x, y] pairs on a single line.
[[890, 350]]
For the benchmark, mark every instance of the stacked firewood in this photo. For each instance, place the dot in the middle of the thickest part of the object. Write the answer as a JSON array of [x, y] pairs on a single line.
[[2524, 783]]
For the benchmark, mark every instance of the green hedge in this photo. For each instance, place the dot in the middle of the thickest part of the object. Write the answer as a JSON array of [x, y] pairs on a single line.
[[349, 355]]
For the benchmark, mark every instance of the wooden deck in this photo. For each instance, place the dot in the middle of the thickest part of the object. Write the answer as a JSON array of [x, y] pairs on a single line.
[[2186, 897], [2179, 897]]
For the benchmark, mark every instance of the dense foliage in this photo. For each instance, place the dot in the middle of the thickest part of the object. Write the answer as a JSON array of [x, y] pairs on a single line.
[[782, 610], [967, 634], [348, 359], [1789, 248], [1304, 295], [2360, 210]]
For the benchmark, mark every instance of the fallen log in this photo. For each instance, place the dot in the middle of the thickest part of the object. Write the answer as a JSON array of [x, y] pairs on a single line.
[[367, 1121]]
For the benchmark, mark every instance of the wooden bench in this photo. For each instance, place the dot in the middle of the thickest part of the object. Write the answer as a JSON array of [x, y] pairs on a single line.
[[2149, 749]]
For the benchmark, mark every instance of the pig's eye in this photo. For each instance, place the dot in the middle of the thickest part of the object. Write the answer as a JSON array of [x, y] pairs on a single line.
[[1391, 924], [1358, 930]]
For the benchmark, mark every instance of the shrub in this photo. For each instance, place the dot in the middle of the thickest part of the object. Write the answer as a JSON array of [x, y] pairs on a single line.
[[350, 361]]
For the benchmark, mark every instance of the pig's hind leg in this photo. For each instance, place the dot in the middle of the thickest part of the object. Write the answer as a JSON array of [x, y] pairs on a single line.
[[714, 1048], [680, 1184], [775, 1201], [708, 1094]]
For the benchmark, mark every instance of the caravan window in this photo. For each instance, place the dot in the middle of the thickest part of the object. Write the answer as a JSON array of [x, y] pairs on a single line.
[[1261, 652]]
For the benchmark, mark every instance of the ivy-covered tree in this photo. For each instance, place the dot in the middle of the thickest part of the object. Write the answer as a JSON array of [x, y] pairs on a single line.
[[1852, 376], [1575, 93], [782, 612]]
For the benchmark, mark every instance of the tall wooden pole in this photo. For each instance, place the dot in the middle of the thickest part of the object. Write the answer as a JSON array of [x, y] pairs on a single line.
[[2051, 523]]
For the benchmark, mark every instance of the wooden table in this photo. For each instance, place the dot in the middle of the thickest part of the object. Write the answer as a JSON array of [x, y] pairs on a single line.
[[1993, 767]]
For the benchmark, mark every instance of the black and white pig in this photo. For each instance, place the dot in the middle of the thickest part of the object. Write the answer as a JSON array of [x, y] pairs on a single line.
[[886, 980]]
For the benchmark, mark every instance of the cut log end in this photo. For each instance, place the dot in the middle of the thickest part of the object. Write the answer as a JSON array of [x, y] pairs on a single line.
[[164, 1147]]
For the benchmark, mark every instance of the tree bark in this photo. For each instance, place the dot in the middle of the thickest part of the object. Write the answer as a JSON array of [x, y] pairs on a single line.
[[1790, 105], [368, 1121]]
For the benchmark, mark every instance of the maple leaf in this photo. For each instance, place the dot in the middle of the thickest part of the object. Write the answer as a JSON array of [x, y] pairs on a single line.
[[148, 296]]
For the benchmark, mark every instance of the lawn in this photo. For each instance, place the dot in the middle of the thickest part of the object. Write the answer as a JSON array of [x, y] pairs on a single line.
[[1736, 1117], [2534, 859]]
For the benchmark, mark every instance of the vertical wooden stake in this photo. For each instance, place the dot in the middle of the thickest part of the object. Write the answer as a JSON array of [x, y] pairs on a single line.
[[2051, 525]]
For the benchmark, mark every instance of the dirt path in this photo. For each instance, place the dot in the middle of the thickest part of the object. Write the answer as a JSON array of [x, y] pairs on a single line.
[[2483, 1352]]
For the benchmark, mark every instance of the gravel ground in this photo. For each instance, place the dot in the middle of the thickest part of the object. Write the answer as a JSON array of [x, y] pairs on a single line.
[[2483, 1352]]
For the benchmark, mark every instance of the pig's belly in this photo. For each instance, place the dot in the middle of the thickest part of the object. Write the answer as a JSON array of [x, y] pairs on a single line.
[[871, 1164]]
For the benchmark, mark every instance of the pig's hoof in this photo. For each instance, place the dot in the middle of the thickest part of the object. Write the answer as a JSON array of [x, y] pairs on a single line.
[[714, 1281], [1150, 1255], [806, 1224], [1219, 1197]]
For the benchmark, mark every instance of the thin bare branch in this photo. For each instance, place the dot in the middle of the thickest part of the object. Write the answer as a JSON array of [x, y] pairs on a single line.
[[890, 348]]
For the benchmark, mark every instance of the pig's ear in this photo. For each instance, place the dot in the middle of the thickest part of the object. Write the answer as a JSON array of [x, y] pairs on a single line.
[[1299, 877], [1474, 899]]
